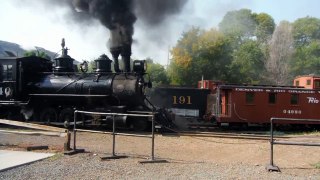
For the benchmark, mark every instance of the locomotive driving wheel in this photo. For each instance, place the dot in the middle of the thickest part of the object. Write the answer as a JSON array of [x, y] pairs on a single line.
[[48, 115], [139, 124]]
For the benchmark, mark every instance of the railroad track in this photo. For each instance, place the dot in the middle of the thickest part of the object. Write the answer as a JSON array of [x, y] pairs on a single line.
[[239, 135]]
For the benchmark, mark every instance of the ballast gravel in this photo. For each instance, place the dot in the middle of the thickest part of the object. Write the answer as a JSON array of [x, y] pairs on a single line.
[[187, 158]]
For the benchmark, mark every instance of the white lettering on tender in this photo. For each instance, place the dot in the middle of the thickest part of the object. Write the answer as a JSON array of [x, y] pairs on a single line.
[[313, 100]]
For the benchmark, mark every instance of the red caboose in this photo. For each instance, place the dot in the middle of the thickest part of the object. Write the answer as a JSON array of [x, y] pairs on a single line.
[[256, 104]]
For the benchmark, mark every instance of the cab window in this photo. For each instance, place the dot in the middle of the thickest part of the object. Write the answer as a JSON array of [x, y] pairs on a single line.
[[7, 72]]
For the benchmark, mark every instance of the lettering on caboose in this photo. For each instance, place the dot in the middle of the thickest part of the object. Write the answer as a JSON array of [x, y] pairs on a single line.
[[312, 100]]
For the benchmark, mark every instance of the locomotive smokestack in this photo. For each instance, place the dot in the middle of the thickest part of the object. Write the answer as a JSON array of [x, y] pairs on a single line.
[[118, 17]]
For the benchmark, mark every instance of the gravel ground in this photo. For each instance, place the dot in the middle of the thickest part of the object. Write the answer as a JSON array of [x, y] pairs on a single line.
[[188, 158]]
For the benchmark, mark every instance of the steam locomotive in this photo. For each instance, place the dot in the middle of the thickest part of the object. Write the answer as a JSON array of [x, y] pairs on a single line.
[[34, 89]]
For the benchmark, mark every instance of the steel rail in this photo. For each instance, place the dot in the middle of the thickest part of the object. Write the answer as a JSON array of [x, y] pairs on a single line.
[[224, 135]]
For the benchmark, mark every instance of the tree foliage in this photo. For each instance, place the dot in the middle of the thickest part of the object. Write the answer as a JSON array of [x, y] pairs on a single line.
[[248, 63], [247, 48], [158, 74], [265, 27], [242, 25], [307, 59], [306, 34], [37, 53], [306, 30], [199, 53]]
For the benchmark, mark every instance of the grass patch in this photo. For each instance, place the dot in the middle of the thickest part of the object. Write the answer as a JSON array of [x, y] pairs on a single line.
[[56, 156], [317, 165], [314, 132]]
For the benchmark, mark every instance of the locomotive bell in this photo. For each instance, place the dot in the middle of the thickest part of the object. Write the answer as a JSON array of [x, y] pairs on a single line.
[[103, 64]]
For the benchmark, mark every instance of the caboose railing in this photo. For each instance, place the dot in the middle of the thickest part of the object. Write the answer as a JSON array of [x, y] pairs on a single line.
[[271, 166], [114, 133]]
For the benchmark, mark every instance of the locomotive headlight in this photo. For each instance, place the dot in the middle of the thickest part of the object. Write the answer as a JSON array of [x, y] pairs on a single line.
[[139, 66]]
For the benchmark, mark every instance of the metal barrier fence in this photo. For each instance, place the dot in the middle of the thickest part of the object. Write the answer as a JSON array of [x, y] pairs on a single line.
[[114, 133], [271, 166]]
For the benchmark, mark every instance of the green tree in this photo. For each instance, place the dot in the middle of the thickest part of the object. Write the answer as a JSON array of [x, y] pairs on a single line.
[[305, 30], [199, 53], [265, 27], [157, 72], [240, 25], [306, 33], [307, 59], [248, 63], [37, 53]]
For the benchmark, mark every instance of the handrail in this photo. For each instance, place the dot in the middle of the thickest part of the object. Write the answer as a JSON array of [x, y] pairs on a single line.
[[271, 166], [114, 133]]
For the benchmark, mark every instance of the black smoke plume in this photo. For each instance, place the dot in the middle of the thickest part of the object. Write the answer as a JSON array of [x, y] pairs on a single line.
[[153, 12], [119, 17]]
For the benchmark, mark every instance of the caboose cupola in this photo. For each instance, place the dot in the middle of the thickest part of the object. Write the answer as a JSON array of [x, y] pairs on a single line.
[[63, 63]]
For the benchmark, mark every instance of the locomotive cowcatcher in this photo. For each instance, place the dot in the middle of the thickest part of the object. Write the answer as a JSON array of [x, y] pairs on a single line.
[[33, 89]]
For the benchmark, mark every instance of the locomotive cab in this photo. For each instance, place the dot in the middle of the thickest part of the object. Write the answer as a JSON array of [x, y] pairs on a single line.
[[15, 73], [8, 79]]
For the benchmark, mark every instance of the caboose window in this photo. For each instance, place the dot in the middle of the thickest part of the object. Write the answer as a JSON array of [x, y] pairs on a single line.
[[309, 82], [317, 84], [249, 97], [272, 98], [294, 99], [297, 83], [7, 72]]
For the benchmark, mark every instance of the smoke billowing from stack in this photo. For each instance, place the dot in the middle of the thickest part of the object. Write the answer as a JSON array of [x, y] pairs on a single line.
[[119, 16]]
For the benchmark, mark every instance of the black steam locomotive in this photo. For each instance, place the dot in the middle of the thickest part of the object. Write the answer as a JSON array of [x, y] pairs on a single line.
[[34, 89]]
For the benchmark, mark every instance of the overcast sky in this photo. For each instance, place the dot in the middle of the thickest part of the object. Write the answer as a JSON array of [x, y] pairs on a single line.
[[35, 25]]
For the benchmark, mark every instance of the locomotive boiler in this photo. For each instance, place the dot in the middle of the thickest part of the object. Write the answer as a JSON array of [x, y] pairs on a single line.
[[34, 88]]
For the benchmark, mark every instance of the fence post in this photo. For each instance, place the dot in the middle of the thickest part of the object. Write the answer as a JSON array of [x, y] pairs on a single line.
[[75, 150], [153, 160], [113, 155], [113, 136], [271, 166], [67, 141]]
